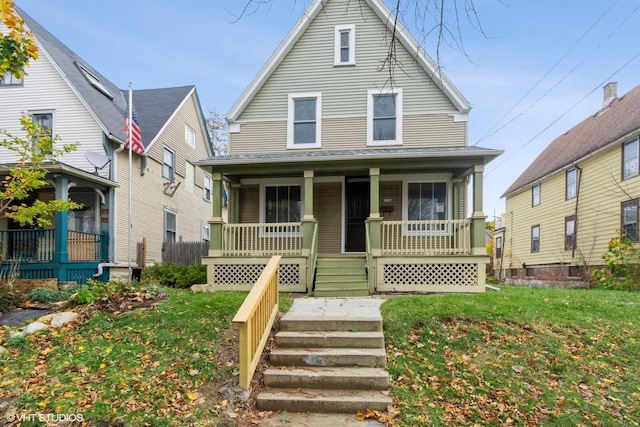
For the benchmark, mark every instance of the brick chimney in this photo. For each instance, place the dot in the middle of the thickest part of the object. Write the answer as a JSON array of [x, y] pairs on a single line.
[[610, 93]]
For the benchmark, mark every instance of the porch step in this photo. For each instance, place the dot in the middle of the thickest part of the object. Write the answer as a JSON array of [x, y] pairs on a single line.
[[369, 357], [327, 401], [327, 378], [333, 339], [341, 276]]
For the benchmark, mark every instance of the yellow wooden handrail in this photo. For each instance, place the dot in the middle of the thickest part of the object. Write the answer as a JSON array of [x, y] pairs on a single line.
[[255, 319]]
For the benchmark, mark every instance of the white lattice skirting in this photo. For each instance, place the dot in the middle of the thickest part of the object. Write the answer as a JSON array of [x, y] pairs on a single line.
[[430, 276], [242, 275]]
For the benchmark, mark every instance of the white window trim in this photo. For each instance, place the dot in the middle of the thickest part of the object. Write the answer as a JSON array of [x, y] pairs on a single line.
[[204, 188], [206, 229], [173, 166], [164, 223], [370, 94], [624, 146], [188, 131], [351, 28], [533, 204], [262, 204], [405, 203], [53, 118], [290, 117]]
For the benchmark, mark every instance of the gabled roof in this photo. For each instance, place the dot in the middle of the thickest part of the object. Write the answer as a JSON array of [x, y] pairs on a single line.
[[619, 119], [386, 16]]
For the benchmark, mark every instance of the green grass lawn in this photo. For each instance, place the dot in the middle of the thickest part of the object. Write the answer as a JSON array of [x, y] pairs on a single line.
[[521, 356]]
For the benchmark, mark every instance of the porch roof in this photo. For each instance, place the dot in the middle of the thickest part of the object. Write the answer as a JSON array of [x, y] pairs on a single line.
[[328, 161], [63, 168]]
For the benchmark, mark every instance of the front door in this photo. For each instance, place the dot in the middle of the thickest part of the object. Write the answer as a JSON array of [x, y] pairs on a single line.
[[356, 213]]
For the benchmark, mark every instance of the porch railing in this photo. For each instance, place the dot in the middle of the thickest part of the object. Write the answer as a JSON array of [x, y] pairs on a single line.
[[262, 239], [83, 246], [447, 237], [27, 245]]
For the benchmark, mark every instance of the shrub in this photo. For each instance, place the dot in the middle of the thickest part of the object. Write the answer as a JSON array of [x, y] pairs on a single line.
[[86, 295], [622, 266], [44, 295], [176, 275]]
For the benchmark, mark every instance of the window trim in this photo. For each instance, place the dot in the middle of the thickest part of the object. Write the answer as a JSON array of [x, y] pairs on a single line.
[[262, 204], [206, 226], [533, 195], [173, 166], [337, 57], [399, 102], [575, 184], [533, 250], [189, 131], [623, 205], [623, 176], [292, 97], [567, 220], [205, 188], [405, 205], [165, 228]]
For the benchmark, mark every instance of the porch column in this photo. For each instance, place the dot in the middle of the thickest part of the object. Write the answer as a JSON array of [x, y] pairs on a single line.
[[374, 219], [60, 253], [309, 220], [478, 244], [215, 244]]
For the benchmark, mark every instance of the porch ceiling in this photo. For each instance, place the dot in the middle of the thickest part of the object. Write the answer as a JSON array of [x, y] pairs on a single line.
[[326, 162]]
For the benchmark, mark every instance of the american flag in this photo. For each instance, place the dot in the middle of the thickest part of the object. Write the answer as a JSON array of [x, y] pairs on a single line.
[[135, 138]]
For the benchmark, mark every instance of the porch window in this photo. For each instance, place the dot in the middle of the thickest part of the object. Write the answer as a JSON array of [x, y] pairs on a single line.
[[168, 164], [170, 225], [384, 117], [570, 232], [304, 120], [282, 203], [629, 219], [10, 79], [535, 195], [535, 238], [630, 159], [571, 183], [426, 201], [345, 36], [207, 188]]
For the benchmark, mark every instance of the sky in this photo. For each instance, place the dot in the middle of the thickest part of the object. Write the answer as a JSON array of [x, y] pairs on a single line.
[[534, 71]]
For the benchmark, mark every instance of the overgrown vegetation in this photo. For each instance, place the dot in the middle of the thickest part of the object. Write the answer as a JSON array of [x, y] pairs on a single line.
[[9, 297], [621, 266], [521, 356], [47, 295], [175, 275]]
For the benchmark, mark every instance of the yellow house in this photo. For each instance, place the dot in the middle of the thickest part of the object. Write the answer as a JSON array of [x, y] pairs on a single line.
[[358, 177], [579, 193]]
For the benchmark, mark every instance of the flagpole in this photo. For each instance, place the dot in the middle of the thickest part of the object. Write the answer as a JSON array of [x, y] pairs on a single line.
[[130, 138]]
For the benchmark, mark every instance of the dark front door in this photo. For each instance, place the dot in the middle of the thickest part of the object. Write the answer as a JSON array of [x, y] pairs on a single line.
[[357, 211]]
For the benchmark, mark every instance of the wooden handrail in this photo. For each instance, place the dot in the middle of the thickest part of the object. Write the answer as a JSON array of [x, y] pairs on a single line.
[[255, 319]]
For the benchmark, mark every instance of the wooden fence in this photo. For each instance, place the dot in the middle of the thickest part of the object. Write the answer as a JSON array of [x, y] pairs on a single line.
[[185, 253]]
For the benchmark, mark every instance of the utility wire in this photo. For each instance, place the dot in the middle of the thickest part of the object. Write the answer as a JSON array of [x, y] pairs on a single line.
[[547, 73], [564, 114]]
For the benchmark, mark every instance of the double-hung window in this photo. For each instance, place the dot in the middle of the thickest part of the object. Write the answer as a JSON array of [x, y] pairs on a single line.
[[571, 189], [44, 121], [168, 163], [570, 232], [189, 135], [499, 247], [384, 117], [304, 120], [345, 48], [630, 158], [535, 238], [10, 79], [535, 195], [206, 191], [206, 231], [170, 225], [629, 219]]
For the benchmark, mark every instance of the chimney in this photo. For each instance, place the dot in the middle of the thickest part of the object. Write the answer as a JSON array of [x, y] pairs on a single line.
[[610, 93]]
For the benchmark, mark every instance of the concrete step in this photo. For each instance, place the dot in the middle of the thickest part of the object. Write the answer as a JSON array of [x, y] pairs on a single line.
[[332, 339], [339, 293], [353, 324], [310, 400], [343, 378], [370, 357]]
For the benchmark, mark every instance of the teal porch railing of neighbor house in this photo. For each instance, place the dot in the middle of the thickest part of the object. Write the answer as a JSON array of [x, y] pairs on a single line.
[[30, 254]]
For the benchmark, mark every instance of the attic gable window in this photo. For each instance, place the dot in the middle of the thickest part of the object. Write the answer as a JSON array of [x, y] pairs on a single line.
[[345, 46], [94, 81], [630, 158], [304, 120], [384, 117], [10, 79]]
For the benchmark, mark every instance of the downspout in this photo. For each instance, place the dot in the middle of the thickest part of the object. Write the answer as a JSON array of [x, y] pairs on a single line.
[[575, 213]]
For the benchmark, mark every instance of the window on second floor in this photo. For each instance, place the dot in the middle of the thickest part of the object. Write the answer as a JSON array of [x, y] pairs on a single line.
[[45, 122], [571, 190], [206, 190], [168, 163], [384, 117], [189, 135], [345, 47], [630, 158], [10, 79], [304, 120], [629, 219], [535, 238], [570, 232], [535, 195]]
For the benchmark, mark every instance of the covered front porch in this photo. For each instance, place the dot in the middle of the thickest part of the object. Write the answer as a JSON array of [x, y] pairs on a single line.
[[76, 242], [400, 214]]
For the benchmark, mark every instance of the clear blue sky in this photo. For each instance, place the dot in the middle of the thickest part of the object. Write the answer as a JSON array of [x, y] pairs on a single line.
[[163, 43]]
